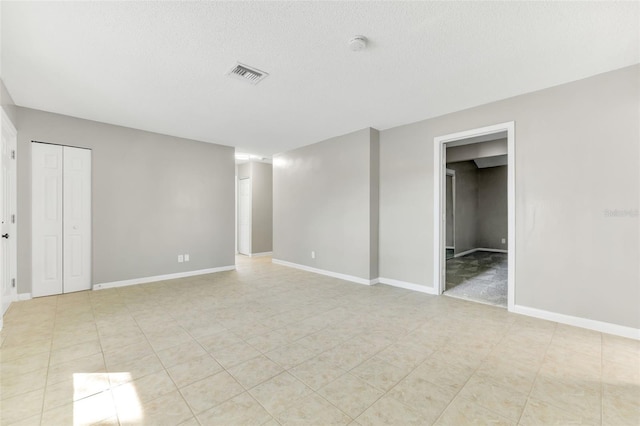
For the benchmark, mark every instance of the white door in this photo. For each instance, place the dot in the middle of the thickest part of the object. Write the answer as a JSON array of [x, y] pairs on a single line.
[[76, 222], [244, 216], [61, 219], [46, 207], [8, 258]]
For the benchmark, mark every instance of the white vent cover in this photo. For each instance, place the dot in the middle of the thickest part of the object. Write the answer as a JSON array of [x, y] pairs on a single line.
[[247, 73]]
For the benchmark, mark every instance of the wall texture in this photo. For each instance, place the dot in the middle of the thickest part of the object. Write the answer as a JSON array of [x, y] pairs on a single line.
[[574, 254], [153, 197], [322, 202]]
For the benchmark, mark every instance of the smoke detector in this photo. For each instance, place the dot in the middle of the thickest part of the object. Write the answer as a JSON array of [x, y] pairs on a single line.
[[358, 43], [246, 73]]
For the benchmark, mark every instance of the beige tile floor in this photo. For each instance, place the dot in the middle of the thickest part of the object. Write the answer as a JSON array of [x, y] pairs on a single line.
[[271, 345]]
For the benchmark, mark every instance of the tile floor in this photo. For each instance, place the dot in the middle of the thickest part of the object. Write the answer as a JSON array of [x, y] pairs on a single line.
[[271, 345], [479, 276]]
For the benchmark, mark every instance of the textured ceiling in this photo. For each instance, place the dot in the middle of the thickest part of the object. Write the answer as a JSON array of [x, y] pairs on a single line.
[[160, 66]]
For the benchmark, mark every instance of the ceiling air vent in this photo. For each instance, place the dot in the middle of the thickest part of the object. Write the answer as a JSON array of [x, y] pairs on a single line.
[[247, 73]]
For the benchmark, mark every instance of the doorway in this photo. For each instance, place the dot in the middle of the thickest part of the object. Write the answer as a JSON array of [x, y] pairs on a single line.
[[61, 219], [471, 137], [244, 216], [8, 291], [450, 217]]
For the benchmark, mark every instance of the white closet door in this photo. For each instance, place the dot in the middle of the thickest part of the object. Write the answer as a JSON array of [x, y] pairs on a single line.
[[77, 219], [46, 207]]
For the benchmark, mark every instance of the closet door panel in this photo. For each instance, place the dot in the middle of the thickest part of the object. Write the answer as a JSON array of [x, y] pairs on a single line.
[[46, 206], [77, 219]]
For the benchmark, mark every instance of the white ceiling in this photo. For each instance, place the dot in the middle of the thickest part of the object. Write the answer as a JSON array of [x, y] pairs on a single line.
[[160, 66]]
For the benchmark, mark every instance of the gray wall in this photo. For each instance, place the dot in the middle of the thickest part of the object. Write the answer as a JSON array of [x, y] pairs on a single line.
[[481, 206], [476, 150], [261, 175], [577, 158], [7, 103], [154, 197], [466, 205], [374, 202], [261, 207], [322, 202], [492, 223]]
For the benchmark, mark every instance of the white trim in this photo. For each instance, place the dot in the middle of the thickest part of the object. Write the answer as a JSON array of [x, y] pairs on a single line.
[[492, 250], [452, 173], [464, 253], [603, 327], [24, 296], [407, 285], [265, 253], [439, 166], [156, 278], [450, 248], [12, 201], [250, 208], [345, 277]]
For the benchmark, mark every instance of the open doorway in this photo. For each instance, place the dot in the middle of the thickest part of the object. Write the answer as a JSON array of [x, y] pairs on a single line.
[[450, 217], [474, 181]]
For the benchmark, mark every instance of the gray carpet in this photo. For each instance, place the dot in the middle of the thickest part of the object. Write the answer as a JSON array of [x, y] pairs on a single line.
[[479, 276]]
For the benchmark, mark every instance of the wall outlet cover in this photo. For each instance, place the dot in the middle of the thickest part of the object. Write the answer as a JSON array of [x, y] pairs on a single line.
[[186, 257], [180, 258]]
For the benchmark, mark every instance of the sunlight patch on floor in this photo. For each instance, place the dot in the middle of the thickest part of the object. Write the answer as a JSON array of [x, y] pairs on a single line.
[[123, 402]]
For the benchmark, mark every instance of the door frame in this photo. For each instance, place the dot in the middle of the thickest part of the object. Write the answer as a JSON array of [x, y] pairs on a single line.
[[249, 207], [439, 194], [13, 234], [452, 173]]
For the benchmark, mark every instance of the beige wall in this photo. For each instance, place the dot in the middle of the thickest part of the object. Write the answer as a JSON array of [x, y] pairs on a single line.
[[154, 197], [324, 197], [577, 157]]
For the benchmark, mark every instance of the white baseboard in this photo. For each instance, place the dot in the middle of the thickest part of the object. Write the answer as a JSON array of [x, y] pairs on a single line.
[[266, 253], [464, 253], [492, 250], [407, 285], [345, 277], [124, 283], [603, 327], [24, 296]]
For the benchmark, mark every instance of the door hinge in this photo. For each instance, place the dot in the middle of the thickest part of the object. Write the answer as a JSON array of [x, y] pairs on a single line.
[[13, 218], [13, 154], [13, 282]]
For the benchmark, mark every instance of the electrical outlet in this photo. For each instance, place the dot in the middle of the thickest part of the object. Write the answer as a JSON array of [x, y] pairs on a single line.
[[180, 258], [313, 254], [504, 241], [186, 257]]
